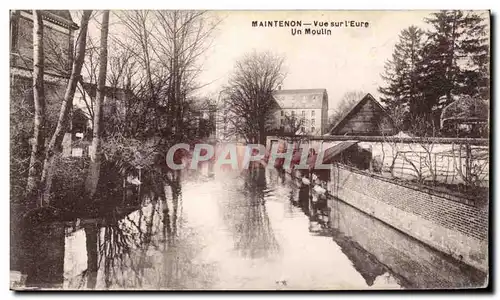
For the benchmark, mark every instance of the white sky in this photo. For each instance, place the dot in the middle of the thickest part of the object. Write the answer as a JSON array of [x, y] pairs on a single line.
[[349, 59]]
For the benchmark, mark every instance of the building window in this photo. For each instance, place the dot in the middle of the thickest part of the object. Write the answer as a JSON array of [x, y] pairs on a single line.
[[313, 129], [312, 122], [312, 113], [303, 113], [282, 113]]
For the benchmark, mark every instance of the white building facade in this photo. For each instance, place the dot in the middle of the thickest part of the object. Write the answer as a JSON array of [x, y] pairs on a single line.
[[306, 108]]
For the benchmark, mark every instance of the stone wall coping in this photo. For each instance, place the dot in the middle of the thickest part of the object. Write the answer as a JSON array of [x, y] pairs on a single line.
[[392, 139], [424, 189]]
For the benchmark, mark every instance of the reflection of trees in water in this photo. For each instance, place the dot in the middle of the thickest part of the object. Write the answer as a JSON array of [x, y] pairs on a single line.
[[109, 255], [304, 199], [146, 249], [91, 237], [253, 234], [173, 191], [43, 256]]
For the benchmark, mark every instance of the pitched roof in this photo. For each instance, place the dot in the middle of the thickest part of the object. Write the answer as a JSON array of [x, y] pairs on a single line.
[[355, 108], [466, 110], [333, 151], [60, 17], [300, 98], [62, 13], [64, 17]]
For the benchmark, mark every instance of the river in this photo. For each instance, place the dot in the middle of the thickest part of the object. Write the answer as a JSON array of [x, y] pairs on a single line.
[[228, 231]]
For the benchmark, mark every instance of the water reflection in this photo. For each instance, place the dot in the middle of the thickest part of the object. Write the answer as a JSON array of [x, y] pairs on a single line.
[[233, 231], [245, 230], [45, 242], [248, 219], [364, 262], [416, 264]]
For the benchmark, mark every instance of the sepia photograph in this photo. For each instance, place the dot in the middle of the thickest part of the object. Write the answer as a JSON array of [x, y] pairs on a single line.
[[249, 150]]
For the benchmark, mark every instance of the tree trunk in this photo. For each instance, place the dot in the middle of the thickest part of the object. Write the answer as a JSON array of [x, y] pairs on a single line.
[[67, 104], [38, 141], [262, 131], [95, 155], [451, 56]]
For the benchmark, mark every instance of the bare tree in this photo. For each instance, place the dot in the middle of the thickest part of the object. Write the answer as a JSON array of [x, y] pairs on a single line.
[[248, 97], [89, 76], [471, 164], [141, 106], [166, 48], [38, 141], [419, 157], [95, 155], [292, 124], [67, 103], [120, 103]]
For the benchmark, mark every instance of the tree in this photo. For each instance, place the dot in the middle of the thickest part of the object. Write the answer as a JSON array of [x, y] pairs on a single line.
[[429, 70], [347, 102], [89, 75], [155, 59], [38, 141], [401, 74], [121, 104], [95, 155], [456, 58], [292, 124], [54, 145], [167, 46], [248, 97]]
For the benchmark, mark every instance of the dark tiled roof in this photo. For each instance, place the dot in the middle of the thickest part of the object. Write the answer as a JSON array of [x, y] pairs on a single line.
[[60, 17], [301, 98], [62, 13], [63, 17]]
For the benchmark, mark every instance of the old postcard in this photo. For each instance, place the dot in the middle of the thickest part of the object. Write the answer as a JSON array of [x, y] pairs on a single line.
[[249, 150]]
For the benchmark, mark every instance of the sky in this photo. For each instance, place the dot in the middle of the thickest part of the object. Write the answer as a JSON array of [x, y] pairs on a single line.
[[351, 59]]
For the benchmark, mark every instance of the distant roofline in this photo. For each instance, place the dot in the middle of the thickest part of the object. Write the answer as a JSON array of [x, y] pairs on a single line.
[[301, 91], [109, 91], [57, 19], [290, 104]]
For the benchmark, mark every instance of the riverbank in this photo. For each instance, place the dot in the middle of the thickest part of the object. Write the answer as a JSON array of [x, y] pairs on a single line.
[[390, 223]]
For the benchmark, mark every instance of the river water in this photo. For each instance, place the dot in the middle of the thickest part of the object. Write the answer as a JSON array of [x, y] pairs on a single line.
[[228, 231]]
